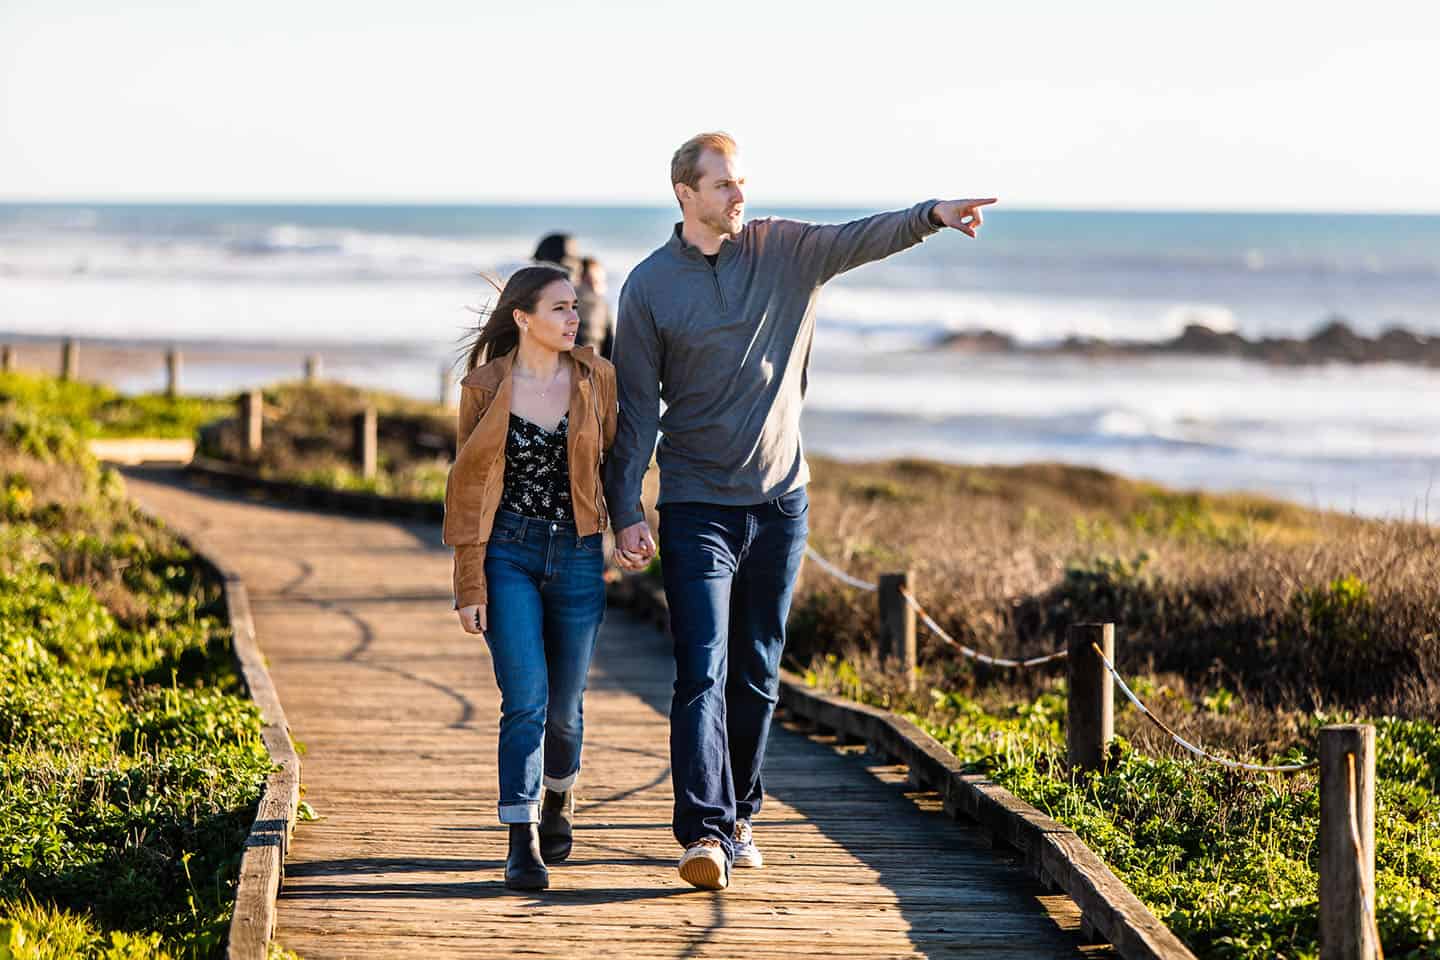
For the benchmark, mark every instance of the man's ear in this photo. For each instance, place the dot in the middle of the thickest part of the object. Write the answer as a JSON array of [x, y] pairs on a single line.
[[683, 193]]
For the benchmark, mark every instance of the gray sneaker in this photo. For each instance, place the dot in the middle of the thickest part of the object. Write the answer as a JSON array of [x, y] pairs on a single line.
[[704, 866], [746, 853]]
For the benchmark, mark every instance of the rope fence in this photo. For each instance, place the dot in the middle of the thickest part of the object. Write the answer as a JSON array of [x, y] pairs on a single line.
[[1349, 928], [1197, 751], [971, 652], [986, 658], [928, 620]]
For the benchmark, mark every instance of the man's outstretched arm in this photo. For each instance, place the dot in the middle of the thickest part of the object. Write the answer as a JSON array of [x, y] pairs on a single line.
[[637, 356], [828, 249]]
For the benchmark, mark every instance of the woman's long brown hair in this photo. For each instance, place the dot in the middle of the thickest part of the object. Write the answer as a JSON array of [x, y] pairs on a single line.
[[498, 334]]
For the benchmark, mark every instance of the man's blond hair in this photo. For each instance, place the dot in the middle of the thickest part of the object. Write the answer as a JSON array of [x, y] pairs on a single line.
[[685, 165]]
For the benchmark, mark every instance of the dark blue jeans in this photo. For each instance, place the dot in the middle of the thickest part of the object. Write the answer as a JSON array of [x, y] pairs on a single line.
[[546, 601], [729, 576]]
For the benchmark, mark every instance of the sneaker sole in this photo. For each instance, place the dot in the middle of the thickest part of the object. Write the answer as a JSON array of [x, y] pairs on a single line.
[[704, 873], [752, 862]]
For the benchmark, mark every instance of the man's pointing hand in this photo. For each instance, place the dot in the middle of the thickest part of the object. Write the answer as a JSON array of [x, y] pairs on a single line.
[[963, 215]]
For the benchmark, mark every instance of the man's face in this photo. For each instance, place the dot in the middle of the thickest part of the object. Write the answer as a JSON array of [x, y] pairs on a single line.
[[719, 201]]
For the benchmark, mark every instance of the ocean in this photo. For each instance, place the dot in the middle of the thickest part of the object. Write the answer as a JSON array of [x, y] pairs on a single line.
[[394, 283]]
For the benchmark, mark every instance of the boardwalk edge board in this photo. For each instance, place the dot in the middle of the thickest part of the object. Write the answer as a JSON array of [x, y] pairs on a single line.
[[1052, 851], [262, 865]]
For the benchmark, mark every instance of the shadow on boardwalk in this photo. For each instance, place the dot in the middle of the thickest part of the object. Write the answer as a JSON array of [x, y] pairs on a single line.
[[399, 712]]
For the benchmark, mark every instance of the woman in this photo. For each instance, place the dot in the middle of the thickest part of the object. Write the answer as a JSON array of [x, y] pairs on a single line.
[[524, 512]]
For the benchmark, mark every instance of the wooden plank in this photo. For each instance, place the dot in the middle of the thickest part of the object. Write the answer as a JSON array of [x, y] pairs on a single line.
[[400, 714], [1050, 848], [262, 864]]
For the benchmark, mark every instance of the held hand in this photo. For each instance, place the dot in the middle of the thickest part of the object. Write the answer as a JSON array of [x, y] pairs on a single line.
[[634, 547], [963, 215], [472, 618]]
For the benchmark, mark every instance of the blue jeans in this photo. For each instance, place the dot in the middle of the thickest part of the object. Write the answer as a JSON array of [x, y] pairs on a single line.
[[546, 601], [729, 576]]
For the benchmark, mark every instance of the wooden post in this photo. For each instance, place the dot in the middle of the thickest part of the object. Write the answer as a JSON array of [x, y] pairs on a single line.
[[1090, 726], [367, 443], [69, 359], [7, 358], [172, 373], [447, 387], [1347, 875], [252, 407], [312, 367], [897, 623]]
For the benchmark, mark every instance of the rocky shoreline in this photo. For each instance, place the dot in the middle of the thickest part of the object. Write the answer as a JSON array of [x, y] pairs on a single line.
[[1335, 342]]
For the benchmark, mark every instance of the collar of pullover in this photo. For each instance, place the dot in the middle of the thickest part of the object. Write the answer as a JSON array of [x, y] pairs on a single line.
[[689, 251]]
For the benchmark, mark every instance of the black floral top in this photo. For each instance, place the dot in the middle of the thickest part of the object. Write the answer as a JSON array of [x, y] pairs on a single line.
[[537, 471]]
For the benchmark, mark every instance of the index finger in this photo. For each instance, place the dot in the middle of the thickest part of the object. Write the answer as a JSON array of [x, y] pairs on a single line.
[[982, 203]]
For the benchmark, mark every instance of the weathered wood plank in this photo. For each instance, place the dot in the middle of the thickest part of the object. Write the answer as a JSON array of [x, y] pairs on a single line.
[[262, 864], [399, 714], [1052, 850]]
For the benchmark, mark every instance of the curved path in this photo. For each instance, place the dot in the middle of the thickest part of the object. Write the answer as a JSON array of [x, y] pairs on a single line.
[[397, 712]]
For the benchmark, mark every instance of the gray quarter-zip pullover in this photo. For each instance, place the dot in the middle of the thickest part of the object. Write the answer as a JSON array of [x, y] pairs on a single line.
[[727, 347]]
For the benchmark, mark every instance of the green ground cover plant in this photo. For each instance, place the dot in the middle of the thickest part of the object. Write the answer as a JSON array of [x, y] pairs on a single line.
[[1227, 860], [308, 438], [1245, 623], [95, 410], [130, 763]]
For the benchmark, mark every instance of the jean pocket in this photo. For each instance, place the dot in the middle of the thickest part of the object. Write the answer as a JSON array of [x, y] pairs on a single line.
[[794, 504], [591, 544], [505, 531]]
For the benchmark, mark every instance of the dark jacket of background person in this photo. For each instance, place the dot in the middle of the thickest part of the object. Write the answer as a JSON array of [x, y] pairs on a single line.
[[727, 348], [595, 327], [477, 478]]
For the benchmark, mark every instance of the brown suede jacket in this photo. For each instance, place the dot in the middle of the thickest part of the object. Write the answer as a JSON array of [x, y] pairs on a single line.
[[472, 492]]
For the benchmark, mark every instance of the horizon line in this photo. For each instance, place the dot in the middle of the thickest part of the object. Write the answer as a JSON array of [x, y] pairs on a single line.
[[438, 202]]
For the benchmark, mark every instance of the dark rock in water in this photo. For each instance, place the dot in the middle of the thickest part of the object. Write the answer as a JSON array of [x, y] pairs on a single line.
[[1198, 338], [1399, 345], [1333, 342], [978, 341], [1336, 341]]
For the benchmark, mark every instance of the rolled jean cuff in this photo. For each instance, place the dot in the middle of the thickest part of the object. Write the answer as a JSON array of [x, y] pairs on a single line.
[[560, 784], [519, 813]]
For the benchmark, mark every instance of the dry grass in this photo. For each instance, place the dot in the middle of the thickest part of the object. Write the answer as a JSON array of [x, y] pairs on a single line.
[[1288, 608]]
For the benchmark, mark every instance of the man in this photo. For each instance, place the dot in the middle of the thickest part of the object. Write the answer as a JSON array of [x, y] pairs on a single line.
[[718, 324]]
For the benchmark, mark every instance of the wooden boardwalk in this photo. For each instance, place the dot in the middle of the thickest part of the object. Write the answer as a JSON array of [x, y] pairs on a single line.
[[398, 714]]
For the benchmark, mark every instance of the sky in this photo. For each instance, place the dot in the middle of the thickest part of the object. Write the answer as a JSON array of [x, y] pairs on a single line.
[[1256, 105]]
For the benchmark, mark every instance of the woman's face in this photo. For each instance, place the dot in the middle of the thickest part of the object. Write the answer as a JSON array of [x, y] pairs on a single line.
[[554, 322]]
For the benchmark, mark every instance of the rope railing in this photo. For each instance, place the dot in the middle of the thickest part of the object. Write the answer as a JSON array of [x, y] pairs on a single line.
[[929, 621], [1347, 897], [1197, 751], [986, 658], [971, 652], [837, 573]]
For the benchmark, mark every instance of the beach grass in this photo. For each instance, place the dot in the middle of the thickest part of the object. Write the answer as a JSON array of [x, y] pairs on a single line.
[[131, 761], [95, 410], [1246, 623]]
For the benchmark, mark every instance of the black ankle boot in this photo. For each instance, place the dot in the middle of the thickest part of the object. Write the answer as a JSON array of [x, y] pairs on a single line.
[[557, 816], [524, 870]]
